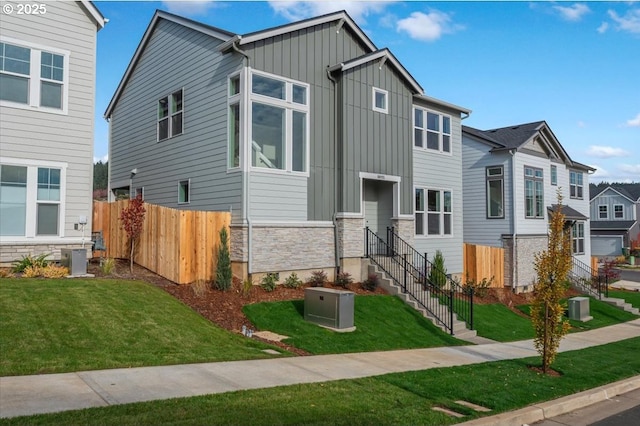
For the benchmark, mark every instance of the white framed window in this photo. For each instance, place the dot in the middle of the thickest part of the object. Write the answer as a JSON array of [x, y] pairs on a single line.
[[533, 192], [603, 211], [234, 120], [495, 192], [577, 238], [433, 212], [380, 100], [33, 76], [184, 191], [139, 192], [170, 115], [575, 184], [31, 199], [279, 131], [431, 130], [554, 175], [618, 211]]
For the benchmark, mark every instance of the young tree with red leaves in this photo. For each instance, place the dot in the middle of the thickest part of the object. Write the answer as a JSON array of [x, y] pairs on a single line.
[[132, 218]]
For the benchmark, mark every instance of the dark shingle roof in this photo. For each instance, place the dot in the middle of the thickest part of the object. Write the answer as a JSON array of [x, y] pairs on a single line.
[[568, 212], [629, 190], [611, 225], [514, 136]]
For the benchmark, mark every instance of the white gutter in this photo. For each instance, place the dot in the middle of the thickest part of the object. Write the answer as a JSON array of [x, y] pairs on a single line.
[[336, 245]]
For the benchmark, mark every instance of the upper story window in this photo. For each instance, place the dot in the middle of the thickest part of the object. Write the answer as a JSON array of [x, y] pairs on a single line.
[[380, 100], [618, 211], [603, 211], [554, 175], [33, 76], [575, 184], [279, 137], [436, 220], [495, 192], [233, 148], [170, 115], [533, 192], [431, 130]]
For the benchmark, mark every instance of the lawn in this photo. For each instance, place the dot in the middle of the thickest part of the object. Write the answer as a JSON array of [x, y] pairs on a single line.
[[53, 326], [382, 323], [402, 398], [632, 297], [497, 322]]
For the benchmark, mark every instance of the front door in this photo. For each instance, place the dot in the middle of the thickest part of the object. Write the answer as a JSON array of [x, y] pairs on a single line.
[[378, 205]]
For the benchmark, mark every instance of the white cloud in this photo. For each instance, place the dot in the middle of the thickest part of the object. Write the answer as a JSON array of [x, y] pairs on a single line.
[[104, 158], [574, 12], [599, 174], [634, 122], [189, 7], [582, 124], [606, 151], [428, 26], [629, 22], [296, 10], [603, 27], [632, 169]]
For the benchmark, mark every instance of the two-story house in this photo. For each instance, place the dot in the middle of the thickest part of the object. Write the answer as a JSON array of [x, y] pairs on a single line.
[[511, 177], [47, 98], [307, 132], [614, 212]]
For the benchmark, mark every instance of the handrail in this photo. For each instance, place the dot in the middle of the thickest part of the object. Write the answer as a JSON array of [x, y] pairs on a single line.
[[586, 279]]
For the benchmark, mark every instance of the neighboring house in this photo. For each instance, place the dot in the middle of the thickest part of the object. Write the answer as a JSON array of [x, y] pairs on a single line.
[[307, 132], [511, 177], [615, 210], [47, 98]]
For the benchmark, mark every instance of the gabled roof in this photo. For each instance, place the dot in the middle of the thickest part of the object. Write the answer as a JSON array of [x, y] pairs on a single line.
[[631, 191], [94, 13], [612, 225]]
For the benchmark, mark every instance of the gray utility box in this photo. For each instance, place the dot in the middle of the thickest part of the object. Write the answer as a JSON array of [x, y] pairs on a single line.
[[328, 307], [579, 309], [75, 260]]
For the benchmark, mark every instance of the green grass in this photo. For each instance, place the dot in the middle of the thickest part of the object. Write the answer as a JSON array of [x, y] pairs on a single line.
[[632, 297], [382, 323], [403, 398], [52, 326], [497, 322]]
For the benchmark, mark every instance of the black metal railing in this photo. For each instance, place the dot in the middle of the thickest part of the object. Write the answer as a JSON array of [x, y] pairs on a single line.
[[584, 278], [431, 288]]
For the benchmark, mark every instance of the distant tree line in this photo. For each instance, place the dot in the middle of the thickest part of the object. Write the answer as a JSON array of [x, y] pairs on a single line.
[[100, 175]]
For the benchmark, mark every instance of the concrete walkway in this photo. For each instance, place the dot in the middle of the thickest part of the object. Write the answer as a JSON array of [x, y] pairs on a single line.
[[25, 395]]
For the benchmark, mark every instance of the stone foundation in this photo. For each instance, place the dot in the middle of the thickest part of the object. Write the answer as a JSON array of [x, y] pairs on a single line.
[[11, 252], [527, 246]]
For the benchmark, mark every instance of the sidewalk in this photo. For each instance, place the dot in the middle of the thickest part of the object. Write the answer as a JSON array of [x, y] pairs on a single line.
[[25, 395]]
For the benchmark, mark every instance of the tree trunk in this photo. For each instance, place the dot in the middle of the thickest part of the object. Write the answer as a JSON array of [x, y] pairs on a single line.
[[131, 257]]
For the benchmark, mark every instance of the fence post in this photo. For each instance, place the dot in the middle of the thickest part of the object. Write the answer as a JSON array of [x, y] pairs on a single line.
[[424, 275], [404, 258], [366, 241], [471, 308], [451, 310]]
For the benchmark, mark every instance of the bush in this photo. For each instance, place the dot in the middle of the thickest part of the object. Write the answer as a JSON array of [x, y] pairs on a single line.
[[30, 261], [32, 272], [344, 279], [292, 281], [5, 273], [480, 288], [223, 268], [199, 287], [609, 272], [54, 271], [269, 282], [371, 283], [438, 273], [107, 266], [318, 279], [247, 285]]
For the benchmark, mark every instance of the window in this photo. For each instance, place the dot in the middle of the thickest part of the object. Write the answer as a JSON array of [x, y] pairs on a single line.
[[170, 115], [575, 184], [233, 149], [30, 200], [431, 130], [139, 192], [184, 195], [577, 238], [554, 175], [437, 219], [380, 100], [495, 192], [603, 211], [279, 124], [33, 76], [533, 193], [618, 211]]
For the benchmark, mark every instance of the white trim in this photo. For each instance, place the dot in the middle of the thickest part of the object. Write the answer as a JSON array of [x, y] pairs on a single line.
[[349, 215], [95, 13], [293, 224], [439, 102], [37, 241], [441, 213], [614, 190], [606, 206], [375, 91], [404, 217], [181, 203], [614, 211], [425, 131], [379, 176]]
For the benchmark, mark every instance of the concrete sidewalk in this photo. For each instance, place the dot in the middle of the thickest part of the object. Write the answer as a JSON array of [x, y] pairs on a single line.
[[25, 395]]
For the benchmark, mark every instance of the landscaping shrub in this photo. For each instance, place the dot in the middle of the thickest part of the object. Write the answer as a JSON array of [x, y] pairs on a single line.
[[609, 272], [223, 268], [132, 218], [292, 281], [32, 272], [438, 272], [30, 261], [269, 282], [318, 279], [344, 279], [199, 287], [247, 285], [107, 266], [54, 271], [480, 288], [371, 283]]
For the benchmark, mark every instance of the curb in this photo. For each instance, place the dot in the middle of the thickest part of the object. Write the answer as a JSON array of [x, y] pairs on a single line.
[[557, 407]]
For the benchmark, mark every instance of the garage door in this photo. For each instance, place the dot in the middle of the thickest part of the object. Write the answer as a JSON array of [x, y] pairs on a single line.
[[606, 246]]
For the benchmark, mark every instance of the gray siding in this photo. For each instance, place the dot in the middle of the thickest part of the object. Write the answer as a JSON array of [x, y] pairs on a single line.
[[177, 57], [36, 135], [278, 197], [611, 198]]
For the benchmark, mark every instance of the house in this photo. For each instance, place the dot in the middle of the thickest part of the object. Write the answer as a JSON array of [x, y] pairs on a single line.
[[511, 177], [614, 212], [307, 133], [47, 97]]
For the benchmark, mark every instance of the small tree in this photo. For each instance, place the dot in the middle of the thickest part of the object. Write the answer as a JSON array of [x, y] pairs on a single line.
[[223, 268], [132, 218], [552, 267], [438, 272]]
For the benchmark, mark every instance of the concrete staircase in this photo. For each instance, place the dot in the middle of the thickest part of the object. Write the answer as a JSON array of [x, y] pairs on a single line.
[[460, 330], [620, 303]]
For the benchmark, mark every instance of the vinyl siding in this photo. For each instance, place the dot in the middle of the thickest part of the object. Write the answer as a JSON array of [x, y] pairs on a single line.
[[278, 197], [38, 135], [610, 198], [176, 58]]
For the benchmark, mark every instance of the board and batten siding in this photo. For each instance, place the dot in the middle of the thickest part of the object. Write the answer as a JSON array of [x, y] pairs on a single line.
[[175, 58], [304, 55], [610, 198], [63, 138], [441, 171]]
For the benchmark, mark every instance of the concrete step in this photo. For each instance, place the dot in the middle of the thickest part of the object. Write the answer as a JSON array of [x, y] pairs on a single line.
[[622, 304]]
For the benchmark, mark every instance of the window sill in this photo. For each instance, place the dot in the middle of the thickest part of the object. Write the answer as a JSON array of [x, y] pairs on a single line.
[[36, 108], [434, 237], [432, 151], [278, 172]]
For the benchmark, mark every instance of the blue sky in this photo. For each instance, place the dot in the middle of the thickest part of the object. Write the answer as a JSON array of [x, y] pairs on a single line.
[[574, 64]]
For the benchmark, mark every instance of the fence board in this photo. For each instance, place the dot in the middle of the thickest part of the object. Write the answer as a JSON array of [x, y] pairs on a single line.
[[176, 244], [483, 262]]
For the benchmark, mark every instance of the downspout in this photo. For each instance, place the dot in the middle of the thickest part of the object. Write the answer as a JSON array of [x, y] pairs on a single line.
[[514, 223], [334, 219]]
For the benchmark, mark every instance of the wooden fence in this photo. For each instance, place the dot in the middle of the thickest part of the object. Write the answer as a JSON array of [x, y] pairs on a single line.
[[482, 262], [180, 245]]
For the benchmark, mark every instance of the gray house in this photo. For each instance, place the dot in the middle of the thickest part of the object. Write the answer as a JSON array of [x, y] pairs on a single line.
[[511, 177], [614, 211], [47, 98], [307, 132]]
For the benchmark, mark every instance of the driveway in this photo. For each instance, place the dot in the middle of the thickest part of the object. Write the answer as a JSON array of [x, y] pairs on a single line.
[[629, 274]]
